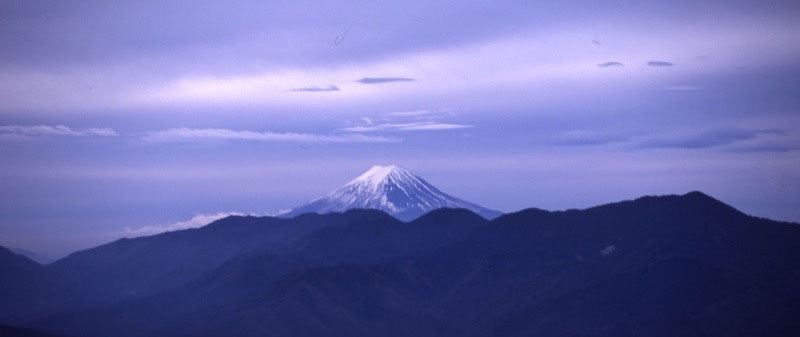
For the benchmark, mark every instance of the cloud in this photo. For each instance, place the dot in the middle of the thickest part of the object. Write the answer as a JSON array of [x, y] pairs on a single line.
[[585, 137], [767, 145], [448, 71], [317, 89], [410, 113], [610, 64], [707, 139], [435, 126], [39, 130], [683, 88], [728, 139], [197, 221], [660, 64], [104, 132], [415, 126], [769, 140], [18, 132], [191, 135], [379, 80]]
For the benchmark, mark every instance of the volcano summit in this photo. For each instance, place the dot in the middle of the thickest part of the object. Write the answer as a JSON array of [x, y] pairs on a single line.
[[391, 189]]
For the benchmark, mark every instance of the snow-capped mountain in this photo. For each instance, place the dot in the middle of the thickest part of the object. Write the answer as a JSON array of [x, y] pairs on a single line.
[[391, 189]]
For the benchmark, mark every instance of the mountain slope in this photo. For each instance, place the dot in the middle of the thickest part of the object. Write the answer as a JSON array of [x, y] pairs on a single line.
[[367, 236], [22, 284], [684, 265], [393, 190], [671, 266], [144, 266], [41, 259]]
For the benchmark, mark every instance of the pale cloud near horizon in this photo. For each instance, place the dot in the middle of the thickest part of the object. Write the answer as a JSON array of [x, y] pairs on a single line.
[[197, 221], [190, 135], [20, 132]]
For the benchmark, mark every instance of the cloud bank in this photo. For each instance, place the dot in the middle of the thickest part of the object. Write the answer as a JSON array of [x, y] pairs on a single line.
[[192, 135], [27, 132]]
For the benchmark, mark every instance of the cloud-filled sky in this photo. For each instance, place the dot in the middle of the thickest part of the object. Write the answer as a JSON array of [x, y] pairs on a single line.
[[129, 117]]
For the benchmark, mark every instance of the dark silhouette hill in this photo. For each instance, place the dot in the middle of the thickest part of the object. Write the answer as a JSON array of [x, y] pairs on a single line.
[[11, 331], [139, 267], [685, 265], [23, 284]]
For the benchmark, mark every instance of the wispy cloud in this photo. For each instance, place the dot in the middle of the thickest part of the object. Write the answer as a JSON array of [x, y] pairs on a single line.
[[683, 88], [197, 221], [415, 126], [726, 139], [9, 132], [190, 135], [586, 137], [317, 89], [706, 139], [379, 80], [435, 126], [610, 64], [411, 113], [767, 145], [660, 64]]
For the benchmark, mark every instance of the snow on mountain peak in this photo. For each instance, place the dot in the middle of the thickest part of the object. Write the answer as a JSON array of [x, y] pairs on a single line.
[[378, 175], [392, 189]]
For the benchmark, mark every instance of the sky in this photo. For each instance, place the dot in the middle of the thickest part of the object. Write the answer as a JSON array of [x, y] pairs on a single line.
[[128, 118]]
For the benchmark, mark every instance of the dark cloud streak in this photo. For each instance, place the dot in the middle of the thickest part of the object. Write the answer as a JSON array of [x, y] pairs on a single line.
[[660, 64], [610, 64]]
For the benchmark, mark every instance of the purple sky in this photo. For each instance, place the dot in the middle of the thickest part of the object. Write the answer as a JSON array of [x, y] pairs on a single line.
[[131, 117]]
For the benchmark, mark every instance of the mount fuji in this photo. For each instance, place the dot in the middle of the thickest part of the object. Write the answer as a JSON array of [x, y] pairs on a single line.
[[391, 189]]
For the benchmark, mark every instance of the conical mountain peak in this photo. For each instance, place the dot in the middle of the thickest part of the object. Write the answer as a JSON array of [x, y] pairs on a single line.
[[378, 175], [391, 189]]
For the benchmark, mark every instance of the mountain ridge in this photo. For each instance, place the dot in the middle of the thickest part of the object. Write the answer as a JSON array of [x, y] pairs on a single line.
[[674, 265]]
